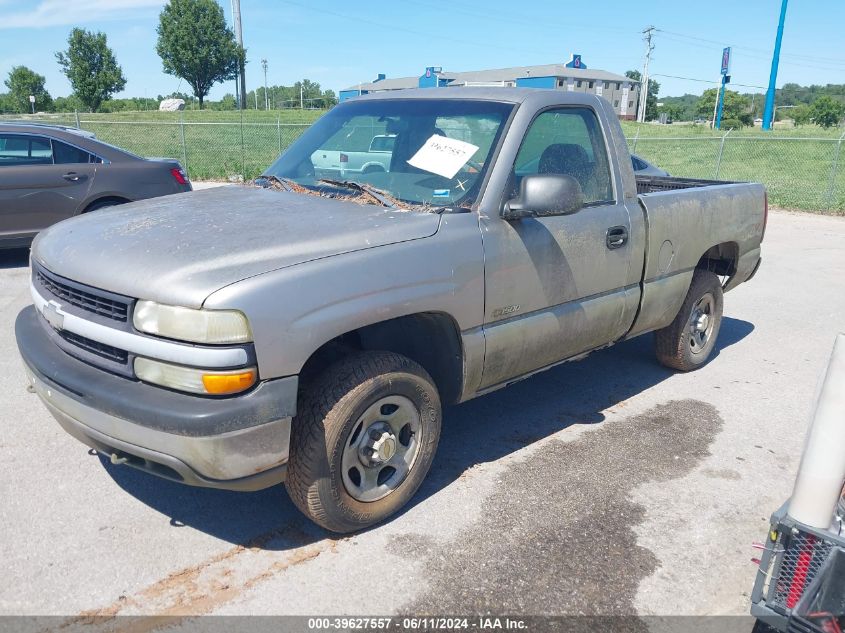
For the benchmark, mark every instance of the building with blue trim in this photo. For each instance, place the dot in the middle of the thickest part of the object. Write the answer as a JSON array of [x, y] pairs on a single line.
[[573, 76]]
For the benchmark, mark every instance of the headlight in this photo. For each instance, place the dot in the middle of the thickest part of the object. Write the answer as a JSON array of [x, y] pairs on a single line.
[[187, 324], [204, 381]]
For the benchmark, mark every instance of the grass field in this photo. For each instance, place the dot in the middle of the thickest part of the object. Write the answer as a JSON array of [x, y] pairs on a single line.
[[795, 164]]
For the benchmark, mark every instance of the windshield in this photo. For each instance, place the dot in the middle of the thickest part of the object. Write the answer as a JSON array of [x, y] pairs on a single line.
[[421, 151]]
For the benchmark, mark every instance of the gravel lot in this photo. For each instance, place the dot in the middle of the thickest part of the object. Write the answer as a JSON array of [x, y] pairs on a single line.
[[606, 486]]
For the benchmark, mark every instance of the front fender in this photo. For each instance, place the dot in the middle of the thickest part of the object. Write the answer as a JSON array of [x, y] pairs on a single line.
[[295, 310]]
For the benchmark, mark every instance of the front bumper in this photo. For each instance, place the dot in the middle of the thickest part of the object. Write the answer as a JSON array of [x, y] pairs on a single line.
[[237, 443]]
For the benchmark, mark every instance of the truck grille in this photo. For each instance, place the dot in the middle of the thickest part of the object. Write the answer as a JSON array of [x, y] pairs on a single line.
[[88, 299], [94, 347]]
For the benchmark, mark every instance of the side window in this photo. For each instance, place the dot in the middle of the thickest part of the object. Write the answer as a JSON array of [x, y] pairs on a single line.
[[19, 149], [567, 141], [65, 154]]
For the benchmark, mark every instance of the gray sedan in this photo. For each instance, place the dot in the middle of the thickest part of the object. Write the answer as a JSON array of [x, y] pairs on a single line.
[[50, 173], [644, 168]]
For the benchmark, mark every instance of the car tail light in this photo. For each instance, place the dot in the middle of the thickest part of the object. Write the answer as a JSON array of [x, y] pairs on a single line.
[[344, 158], [179, 175]]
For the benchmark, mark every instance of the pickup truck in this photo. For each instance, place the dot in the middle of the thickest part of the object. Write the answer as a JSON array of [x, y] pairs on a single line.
[[311, 331], [332, 162]]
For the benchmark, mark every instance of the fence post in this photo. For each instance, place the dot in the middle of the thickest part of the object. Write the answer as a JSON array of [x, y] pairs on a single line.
[[76, 112], [721, 151], [636, 138], [279, 128], [243, 149], [831, 190], [184, 146]]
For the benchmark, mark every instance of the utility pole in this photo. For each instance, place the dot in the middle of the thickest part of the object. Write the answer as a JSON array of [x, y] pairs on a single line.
[[648, 33], [239, 36], [266, 97], [769, 112], [301, 101]]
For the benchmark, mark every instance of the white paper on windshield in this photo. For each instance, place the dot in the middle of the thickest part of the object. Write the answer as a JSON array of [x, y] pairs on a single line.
[[443, 156]]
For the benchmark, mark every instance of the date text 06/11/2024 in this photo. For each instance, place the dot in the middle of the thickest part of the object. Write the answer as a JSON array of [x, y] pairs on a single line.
[[427, 623]]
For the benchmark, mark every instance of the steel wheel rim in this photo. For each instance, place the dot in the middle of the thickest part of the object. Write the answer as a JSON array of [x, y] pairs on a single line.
[[701, 323], [381, 448]]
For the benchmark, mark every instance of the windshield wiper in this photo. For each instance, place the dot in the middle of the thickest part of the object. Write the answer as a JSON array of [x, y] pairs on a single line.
[[284, 183], [382, 198]]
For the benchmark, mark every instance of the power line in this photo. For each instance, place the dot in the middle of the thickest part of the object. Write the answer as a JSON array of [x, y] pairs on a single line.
[[827, 63], [706, 81], [395, 27], [516, 18]]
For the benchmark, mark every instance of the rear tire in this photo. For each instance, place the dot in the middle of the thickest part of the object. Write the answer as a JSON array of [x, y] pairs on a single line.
[[102, 204], [363, 441], [687, 342]]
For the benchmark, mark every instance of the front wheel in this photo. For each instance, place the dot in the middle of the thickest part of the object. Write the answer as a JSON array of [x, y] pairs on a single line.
[[687, 342], [364, 440]]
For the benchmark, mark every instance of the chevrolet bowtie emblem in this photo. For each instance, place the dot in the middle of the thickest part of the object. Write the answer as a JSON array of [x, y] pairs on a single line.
[[53, 316]]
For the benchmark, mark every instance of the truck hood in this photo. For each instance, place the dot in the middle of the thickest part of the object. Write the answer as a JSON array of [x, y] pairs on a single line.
[[179, 249]]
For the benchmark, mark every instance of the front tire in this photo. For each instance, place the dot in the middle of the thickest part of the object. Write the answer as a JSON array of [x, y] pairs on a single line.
[[687, 342], [364, 440]]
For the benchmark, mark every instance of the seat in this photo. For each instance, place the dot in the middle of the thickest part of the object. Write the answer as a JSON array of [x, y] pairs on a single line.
[[571, 160]]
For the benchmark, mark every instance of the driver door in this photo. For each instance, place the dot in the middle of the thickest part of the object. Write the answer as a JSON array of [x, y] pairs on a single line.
[[562, 285]]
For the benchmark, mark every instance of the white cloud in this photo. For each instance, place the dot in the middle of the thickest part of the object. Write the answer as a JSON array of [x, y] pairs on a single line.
[[62, 12]]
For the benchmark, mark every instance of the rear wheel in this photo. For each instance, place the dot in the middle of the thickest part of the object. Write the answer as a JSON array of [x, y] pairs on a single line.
[[687, 342], [364, 440], [102, 204]]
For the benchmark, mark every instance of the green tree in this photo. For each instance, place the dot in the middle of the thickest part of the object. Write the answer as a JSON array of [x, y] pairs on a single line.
[[23, 82], [801, 114], [826, 111], [674, 111], [195, 44], [736, 106], [91, 68], [6, 103], [67, 104], [651, 100]]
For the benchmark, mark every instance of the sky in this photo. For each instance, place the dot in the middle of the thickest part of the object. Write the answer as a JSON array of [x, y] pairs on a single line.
[[341, 43]]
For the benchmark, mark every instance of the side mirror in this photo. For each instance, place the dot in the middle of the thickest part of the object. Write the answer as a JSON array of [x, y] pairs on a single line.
[[543, 195]]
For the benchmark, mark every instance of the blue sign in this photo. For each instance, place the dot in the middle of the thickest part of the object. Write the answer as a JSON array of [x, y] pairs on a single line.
[[575, 62], [726, 61]]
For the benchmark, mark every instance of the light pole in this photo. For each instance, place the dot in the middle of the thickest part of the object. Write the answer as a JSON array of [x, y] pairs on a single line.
[[236, 23], [769, 112], [266, 98]]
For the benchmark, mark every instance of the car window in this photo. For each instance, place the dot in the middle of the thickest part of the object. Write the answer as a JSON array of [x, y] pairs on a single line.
[[382, 144], [638, 164], [567, 141], [64, 154], [20, 149]]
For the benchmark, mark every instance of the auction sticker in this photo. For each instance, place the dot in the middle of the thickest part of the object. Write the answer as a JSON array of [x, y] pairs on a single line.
[[443, 156]]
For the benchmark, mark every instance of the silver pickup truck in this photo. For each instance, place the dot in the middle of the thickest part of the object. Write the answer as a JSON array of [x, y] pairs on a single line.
[[311, 331]]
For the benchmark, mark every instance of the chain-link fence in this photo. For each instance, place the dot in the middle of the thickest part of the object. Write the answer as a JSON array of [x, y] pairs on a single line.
[[799, 173], [209, 150]]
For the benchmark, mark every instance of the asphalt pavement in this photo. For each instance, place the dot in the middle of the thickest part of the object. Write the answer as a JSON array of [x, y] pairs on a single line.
[[607, 486]]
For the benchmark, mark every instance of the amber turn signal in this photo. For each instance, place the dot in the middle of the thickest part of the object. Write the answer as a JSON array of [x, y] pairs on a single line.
[[222, 384]]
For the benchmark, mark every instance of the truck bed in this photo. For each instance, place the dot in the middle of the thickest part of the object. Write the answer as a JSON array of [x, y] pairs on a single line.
[[652, 184]]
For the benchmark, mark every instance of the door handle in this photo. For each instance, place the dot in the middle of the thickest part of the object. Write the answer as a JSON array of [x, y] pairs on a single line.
[[73, 176], [617, 237]]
